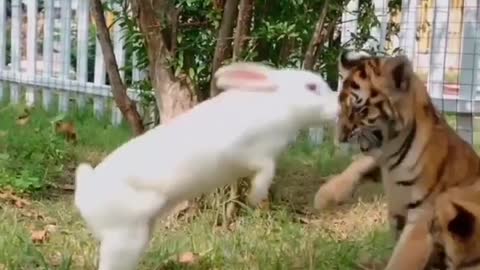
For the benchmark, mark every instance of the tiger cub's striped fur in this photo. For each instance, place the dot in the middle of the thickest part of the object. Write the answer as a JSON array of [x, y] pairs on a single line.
[[386, 110]]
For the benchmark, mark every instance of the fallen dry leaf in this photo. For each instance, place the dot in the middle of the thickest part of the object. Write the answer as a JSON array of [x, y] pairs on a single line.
[[14, 199], [39, 236], [188, 258], [23, 120], [180, 208], [303, 220], [68, 187], [367, 262], [32, 214], [19, 204], [232, 226], [55, 259], [66, 129], [264, 205], [51, 228], [371, 266]]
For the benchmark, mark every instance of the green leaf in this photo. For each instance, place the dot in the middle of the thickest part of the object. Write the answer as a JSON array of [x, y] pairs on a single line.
[[191, 73], [4, 156], [57, 118]]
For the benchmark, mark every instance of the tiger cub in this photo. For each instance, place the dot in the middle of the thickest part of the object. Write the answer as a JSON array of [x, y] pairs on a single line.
[[386, 110]]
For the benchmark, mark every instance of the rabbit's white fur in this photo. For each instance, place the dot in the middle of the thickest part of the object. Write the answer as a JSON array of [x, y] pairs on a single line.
[[238, 133]]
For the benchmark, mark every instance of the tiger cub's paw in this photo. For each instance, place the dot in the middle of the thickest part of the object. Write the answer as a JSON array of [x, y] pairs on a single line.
[[335, 191]]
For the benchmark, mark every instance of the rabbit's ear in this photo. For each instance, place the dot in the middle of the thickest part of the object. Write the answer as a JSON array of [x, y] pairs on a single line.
[[245, 75]]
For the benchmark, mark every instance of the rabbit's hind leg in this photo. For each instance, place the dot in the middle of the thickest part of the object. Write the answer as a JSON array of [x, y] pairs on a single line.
[[121, 248]]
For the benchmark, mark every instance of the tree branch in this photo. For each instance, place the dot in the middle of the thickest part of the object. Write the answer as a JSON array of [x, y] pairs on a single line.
[[119, 90], [173, 94], [174, 32], [224, 39], [327, 33], [242, 30], [316, 40]]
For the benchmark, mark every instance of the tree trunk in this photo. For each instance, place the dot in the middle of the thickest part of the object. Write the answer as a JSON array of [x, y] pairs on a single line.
[[287, 44], [173, 95], [224, 39], [119, 90], [334, 41], [242, 30], [325, 36], [316, 40]]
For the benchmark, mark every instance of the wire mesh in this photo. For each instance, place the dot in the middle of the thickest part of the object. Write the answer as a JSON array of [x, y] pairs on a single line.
[[442, 38]]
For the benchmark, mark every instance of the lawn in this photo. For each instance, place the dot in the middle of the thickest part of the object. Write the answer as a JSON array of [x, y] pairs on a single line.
[[40, 229]]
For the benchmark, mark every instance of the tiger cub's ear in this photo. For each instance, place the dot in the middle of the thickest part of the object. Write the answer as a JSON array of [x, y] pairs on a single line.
[[400, 69], [349, 59], [456, 215], [462, 224]]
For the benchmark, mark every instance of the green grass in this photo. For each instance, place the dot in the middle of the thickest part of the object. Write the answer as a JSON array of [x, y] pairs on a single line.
[[288, 236], [33, 157]]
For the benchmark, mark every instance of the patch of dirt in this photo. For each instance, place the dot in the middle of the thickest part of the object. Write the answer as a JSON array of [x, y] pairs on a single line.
[[363, 213], [298, 188], [93, 157], [352, 221]]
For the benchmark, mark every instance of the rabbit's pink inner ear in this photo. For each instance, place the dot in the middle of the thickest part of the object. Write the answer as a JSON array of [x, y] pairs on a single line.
[[246, 80], [246, 75]]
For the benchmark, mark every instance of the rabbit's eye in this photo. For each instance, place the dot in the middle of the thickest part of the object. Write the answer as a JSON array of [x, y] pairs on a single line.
[[311, 87]]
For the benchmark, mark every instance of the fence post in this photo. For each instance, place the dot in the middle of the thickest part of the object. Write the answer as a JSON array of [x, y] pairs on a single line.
[[379, 32], [66, 8], [83, 20], [438, 54], [3, 43], [15, 49], [99, 79], [31, 95], [47, 52], [470, 71], [408, 28]]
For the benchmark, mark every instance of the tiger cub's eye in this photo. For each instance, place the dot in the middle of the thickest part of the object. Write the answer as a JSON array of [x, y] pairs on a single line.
[[363, 112]]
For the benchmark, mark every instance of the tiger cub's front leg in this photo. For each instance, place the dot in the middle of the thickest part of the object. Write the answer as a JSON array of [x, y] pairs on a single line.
[[341, 187], [414, 246]]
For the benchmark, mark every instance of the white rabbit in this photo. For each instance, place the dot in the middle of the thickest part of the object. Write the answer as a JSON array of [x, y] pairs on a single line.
[[238, 133]]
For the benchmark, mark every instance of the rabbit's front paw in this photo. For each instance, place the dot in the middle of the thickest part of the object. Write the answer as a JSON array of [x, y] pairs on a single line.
[[258, 197]]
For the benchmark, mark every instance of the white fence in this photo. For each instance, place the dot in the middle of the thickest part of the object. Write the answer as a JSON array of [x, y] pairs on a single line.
[[38, 66]]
